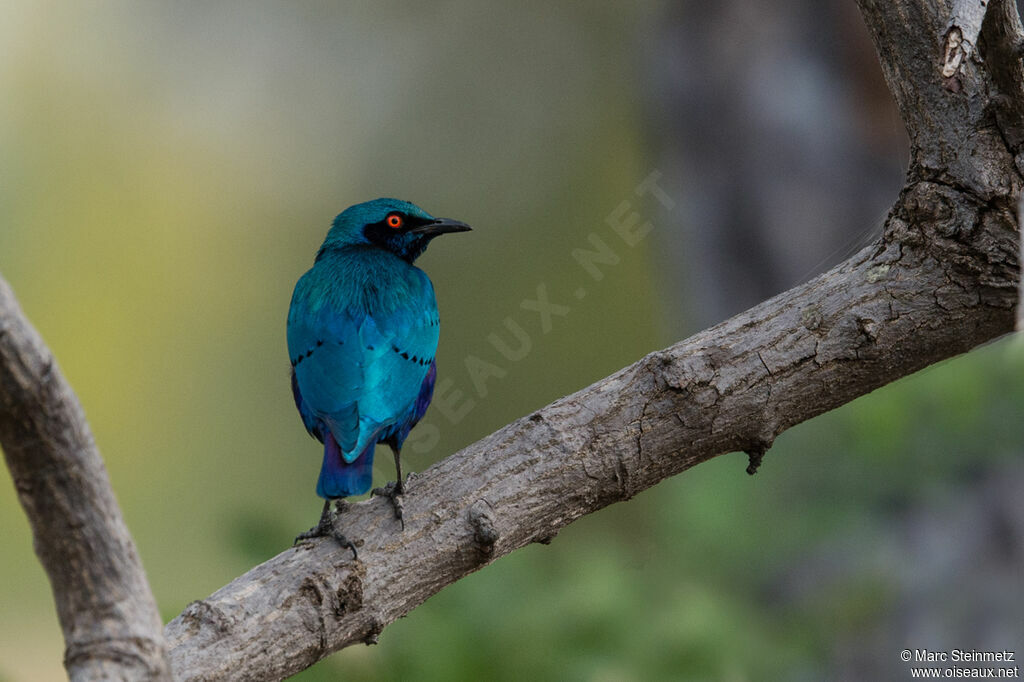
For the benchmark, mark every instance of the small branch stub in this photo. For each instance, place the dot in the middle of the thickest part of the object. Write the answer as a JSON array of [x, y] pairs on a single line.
[[962, 34], [754, 457]]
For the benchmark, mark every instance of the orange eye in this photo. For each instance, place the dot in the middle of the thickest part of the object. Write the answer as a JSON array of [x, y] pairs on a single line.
[[394, 221]]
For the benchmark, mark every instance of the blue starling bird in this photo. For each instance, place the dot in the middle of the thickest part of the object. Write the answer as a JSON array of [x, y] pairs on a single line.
[[362, 334]]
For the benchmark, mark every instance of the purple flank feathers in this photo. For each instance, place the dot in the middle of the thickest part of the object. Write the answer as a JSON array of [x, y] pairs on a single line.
[[341, 479]]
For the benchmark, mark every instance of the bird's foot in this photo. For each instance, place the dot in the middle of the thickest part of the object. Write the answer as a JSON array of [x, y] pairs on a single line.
[[394, 492], [325, 528]]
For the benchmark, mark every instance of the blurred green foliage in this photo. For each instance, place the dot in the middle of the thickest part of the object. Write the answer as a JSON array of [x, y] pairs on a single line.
[[169, 172]]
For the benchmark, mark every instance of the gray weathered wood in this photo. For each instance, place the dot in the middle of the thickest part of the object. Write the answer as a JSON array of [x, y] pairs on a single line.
[[112, 629], [962, 33], [942, 279]]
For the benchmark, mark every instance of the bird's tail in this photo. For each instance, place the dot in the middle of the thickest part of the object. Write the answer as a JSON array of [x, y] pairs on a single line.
[[339, 478]]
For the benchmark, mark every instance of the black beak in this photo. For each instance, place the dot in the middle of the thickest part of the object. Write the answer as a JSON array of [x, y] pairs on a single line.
[[441, 226]]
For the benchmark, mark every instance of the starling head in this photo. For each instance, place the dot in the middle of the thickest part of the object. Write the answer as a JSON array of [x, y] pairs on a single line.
[[392, 224]]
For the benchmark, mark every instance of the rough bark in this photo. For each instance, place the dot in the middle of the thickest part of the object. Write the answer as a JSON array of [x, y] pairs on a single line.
[[1020, 285], [941, 280], [112, 629]]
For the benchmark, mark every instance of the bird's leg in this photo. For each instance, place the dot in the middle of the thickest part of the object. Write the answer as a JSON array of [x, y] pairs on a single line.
[[395, 489], [399, 484], [325, 528]]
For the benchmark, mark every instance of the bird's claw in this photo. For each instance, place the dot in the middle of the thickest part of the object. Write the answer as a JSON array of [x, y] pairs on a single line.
[[317, 531], [394, 492], [342, 540], [325, 528]]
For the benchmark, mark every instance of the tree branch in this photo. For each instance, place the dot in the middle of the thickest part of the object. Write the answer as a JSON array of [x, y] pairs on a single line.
[[880, 316], [112, 629], [942, 279]]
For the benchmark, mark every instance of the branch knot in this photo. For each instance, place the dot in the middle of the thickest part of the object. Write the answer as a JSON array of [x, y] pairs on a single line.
[[482, 522]]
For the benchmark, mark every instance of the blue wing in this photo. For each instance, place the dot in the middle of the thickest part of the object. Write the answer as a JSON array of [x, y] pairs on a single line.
[[360, 374]]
